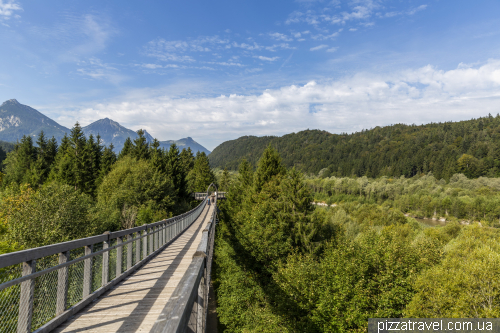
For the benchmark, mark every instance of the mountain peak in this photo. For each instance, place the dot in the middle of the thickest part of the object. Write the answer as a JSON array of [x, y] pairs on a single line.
[[11, 102]]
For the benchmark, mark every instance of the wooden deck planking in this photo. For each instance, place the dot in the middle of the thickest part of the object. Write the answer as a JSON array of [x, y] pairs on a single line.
[[135, 303]]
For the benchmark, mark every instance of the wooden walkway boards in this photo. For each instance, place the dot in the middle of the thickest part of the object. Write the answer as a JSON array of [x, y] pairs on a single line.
[[135, 303]]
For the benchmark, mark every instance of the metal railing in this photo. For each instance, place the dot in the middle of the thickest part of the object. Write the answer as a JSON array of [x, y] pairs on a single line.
[[203, 195], [186, 310], [42, 287]]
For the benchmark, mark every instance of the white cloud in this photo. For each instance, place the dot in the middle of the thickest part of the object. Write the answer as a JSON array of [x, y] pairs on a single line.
[[350, 104], [332, 49], [319, 47], [282, 46], [417, 9], [249, 47], [267, 58], [279, 36], [95, 69], [173, 50], [353, 29], [325, 37], [8, 8]]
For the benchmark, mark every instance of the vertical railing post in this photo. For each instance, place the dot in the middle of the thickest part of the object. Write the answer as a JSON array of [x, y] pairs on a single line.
[[105, 263], [200, 318], [138, 247], [161, 235], [129, 251], [87, 273], [62, 284], [119, 256], [26, 299], [145, 243], [157, 237], [150, 240]]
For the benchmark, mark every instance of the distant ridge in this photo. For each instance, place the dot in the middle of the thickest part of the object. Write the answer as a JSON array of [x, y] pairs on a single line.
[[17, 120], [184, 144]]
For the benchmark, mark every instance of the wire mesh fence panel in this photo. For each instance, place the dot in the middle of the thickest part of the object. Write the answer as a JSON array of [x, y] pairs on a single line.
[[9, 299], [97, 268], [135, 249], [112, 261], [45, 295], [124, 256], [75, 278]]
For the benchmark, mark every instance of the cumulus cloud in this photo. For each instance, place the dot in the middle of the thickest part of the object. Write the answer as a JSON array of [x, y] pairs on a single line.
[[319, 47], [332, 49], [350, 104]]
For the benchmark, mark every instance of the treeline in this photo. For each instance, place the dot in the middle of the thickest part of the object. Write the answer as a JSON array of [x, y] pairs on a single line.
[[470, 147], [421, 196], [282, 265], [53, 193]]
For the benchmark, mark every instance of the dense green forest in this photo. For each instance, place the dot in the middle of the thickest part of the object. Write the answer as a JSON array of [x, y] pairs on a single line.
[[461, 199], [283, 265], [470, 147], [53, 193]]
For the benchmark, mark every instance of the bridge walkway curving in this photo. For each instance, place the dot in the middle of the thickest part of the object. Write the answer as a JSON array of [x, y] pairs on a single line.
[[135, 303]]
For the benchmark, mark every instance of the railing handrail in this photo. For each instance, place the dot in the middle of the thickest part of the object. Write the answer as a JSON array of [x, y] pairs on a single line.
[[179, 312], [14, 258], [149, 240]]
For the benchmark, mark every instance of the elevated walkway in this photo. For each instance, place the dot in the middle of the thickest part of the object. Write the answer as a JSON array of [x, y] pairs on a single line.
[[154, 278], [135, 303]]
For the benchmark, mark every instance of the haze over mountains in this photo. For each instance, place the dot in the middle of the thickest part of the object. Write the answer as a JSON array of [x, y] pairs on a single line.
[[17, 120]]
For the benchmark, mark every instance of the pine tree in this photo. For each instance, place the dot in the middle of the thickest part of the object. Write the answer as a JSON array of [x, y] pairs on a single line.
[[140, 149], [224, 181], [41, 167], [127, 148], [174, 170], [157, 156], [268, 167], [200, 177], [245, 174], [19, 162], [107, 160]]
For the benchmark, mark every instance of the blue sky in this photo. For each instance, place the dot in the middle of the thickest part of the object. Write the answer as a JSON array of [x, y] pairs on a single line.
[[218, 70]]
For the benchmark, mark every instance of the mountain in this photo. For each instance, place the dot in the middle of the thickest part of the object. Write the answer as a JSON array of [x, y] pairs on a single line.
[[17, 120], [184, 144], [112, 132], [471, 147]]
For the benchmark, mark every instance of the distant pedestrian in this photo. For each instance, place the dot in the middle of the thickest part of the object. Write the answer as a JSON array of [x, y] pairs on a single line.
[[209, 201]]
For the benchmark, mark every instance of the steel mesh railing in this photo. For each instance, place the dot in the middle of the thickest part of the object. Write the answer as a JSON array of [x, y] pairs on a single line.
[[40, 287]]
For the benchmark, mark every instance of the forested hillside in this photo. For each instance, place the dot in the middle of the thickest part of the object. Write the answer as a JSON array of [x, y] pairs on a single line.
[[470, 147], [282, 265], [52, 193]]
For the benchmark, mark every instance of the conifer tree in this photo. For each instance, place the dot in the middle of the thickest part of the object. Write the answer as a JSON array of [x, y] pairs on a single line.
[[200, 177], [140, 149], [127, 148], [174, 170], [41, 166], [19, 162], [107, 161], [187, 160], [245, 174], [268, 167], [156, 155]]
